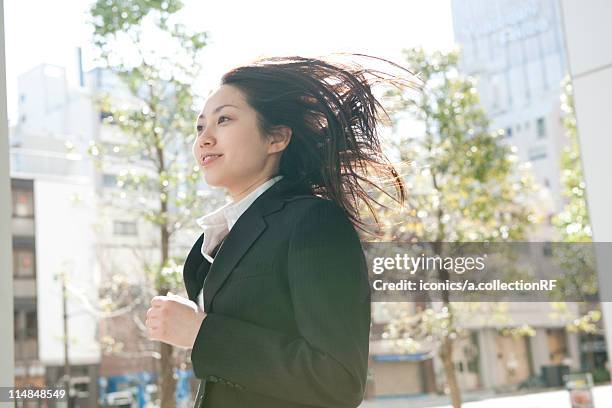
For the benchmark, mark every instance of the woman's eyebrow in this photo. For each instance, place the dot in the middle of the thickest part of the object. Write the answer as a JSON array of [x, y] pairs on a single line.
[[217, 109]]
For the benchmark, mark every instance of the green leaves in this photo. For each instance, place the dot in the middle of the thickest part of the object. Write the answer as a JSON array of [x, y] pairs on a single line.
[[464, 185], [463, 176], [573, 222], [148, 115], [113, 16], [148, 112], [573, 225]]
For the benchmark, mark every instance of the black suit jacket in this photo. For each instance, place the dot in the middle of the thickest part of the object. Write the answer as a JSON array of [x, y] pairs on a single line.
[[288, 307]]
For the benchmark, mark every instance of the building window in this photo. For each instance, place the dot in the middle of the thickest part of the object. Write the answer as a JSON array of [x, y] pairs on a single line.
[[25, 325], [22, 98], [537, 153], [23, 118], [472, 366], [109, 180], [541, 126], [508, 132], [31, 326], [23, 262], [125, 228], [16, 325], [495, 92], [23, 203]]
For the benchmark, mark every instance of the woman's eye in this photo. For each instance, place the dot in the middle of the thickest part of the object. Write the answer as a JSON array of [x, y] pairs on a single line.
[[200, 128]]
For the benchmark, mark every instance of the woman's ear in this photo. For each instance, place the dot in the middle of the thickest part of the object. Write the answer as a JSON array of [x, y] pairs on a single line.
[[279, 138]]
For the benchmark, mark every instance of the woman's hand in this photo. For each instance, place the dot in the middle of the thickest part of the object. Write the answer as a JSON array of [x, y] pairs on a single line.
[[174, 320]]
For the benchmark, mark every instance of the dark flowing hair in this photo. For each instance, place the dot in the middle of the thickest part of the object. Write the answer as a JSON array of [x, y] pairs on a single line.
[[333, 116]]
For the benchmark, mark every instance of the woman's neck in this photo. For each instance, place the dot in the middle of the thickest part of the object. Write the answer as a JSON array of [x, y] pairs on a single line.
[[252, 186]]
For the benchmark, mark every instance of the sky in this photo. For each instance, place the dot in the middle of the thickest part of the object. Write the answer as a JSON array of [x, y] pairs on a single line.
[[50, 31]]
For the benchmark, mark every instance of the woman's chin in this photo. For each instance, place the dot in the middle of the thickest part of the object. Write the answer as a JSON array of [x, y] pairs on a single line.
[[212, 181]]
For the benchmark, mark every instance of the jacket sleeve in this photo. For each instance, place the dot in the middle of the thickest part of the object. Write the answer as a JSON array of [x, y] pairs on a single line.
[[326, 365]]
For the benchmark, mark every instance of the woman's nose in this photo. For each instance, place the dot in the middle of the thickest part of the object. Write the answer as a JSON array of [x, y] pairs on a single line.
[[205, 139]]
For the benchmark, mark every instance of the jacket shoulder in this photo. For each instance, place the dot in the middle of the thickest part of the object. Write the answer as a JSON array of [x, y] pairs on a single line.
[[312, 211], [307, 202]]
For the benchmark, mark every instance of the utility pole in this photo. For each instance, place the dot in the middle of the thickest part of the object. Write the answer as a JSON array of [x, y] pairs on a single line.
[[7, 357], [65, 319]]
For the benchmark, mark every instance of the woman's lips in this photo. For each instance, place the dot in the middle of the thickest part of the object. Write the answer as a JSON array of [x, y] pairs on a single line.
[[209, 159]]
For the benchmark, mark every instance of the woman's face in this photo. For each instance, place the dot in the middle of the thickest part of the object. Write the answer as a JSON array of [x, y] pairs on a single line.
[[227, 127]]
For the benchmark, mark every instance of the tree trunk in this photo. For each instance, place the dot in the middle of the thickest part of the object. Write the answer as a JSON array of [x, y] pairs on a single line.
[[446, 349], [429, 376], [446, 355], [167, 381]]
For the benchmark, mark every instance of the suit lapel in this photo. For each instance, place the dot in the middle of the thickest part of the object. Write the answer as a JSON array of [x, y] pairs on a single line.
[[201, 271], [244, 233]]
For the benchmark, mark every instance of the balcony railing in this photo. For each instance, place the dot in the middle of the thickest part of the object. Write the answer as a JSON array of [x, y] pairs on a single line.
[[33, 161]]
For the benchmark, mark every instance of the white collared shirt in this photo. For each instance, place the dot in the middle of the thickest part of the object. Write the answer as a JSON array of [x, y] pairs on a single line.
[[217, 224]]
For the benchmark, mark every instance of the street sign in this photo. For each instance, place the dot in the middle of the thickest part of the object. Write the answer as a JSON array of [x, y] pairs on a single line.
[[579, 387]]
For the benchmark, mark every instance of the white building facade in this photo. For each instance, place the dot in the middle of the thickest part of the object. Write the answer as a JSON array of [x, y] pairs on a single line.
[[515, 50], [589, 56], [53, 234]]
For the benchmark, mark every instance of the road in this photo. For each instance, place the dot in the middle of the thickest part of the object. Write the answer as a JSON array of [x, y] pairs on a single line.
[[551, 399]]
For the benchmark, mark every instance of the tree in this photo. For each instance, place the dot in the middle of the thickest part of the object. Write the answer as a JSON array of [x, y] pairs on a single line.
[[465, 185], [156, 61], [574, 227], [573, 222]]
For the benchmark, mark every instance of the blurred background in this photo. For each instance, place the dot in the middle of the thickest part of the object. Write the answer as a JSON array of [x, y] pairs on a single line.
[[499, 144]]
